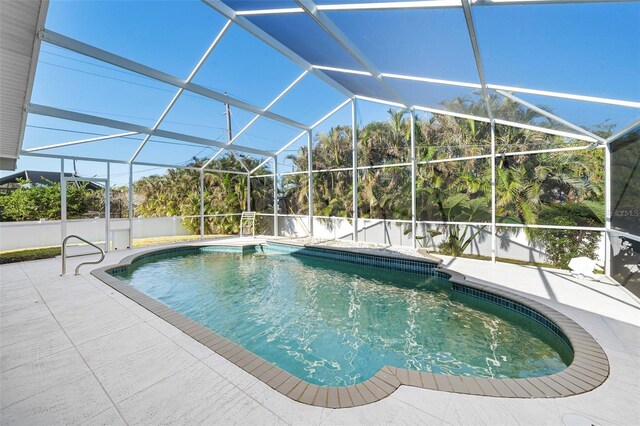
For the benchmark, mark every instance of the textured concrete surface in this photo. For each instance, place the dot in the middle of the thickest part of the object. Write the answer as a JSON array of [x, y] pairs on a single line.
[[75, 351]]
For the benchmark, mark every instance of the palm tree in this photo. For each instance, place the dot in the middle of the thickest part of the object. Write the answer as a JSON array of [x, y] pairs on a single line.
[[527, 186], [177, 193]]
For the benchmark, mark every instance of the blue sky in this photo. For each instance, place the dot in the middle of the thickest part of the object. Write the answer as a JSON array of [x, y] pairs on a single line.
[[590, 49]]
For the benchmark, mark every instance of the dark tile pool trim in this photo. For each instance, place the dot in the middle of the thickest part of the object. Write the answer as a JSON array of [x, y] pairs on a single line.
[[588, 370]]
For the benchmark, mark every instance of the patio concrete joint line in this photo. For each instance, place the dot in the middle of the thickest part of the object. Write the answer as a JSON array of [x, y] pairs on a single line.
[[121, 62]]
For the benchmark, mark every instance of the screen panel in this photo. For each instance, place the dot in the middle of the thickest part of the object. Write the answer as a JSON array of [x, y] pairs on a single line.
[[625, 182], [333, 149], [551, 248], [598, 118], [43, 131], [435, 40], [246, 68], [441, 137], [511, 139], [267, 135], [376, 201], [558, 188], [199, 116], [75, 82], [332, 194], [294, 158], [457, 191], [340, 2], [384, 134], [586, 48], [625, 256], [242, 5], [301, 34], [514, 111], [174, 153], [262, 194], [362, 85], [440, 96], [308, 101], [294, 194], [175, 37]]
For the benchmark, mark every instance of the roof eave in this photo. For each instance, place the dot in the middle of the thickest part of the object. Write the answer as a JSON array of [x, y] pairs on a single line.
[[42, 16]]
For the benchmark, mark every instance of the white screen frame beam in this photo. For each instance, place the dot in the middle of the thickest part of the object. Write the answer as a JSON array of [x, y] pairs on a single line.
[[193, 73], [133, 66], [311, 9], [254, 119], [121, 125], [257, 32]]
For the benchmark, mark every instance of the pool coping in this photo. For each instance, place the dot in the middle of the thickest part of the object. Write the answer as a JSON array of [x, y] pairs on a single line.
[[588, 370]]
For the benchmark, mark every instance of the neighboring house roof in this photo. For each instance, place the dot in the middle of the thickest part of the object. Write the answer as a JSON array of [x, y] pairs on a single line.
[[40, 177]]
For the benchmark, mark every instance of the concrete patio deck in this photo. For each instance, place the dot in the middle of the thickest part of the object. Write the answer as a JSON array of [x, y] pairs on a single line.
[[74, 351]]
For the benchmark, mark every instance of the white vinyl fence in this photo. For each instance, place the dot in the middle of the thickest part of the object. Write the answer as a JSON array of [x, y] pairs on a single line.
[[512, 245], [17, 235]]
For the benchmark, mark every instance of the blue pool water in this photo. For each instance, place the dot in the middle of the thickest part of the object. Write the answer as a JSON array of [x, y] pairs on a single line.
[[336, 324]]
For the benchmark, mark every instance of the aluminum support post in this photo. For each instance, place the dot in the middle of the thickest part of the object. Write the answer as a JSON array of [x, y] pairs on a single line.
[[607, 209], [63, 202], [248, 192], [494, 237], [107, 210], [354, 147], [201, 204], [130, 206], [414, 231], [310, 179], [275, 196]]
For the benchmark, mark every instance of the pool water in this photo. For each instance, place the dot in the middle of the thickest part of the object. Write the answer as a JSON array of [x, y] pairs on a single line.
[[334, 323]]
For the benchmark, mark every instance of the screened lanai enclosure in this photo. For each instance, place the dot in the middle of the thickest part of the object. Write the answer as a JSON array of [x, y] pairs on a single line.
[[505, 129]]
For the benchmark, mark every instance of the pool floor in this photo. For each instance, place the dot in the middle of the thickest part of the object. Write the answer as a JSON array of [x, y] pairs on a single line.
[[333, 323]]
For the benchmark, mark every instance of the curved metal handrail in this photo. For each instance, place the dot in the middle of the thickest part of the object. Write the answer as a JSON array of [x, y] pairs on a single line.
[[64, 254]]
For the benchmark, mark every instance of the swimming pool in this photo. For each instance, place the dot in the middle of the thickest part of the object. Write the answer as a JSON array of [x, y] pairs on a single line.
[[588, 369], [336, 323]]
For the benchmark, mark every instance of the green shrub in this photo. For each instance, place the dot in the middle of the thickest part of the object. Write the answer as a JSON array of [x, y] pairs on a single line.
[[563, 245], [43, 202]]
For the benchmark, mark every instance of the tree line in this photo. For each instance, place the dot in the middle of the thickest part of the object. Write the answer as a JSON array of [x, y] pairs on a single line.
[[565, 188]]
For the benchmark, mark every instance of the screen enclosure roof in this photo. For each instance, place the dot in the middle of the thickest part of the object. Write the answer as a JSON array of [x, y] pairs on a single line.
[[284, 66]]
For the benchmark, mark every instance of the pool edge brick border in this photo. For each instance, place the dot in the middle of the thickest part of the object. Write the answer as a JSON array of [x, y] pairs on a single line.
[[588, 370]]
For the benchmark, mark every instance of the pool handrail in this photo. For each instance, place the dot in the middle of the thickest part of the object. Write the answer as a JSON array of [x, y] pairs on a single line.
[[65, 257]]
